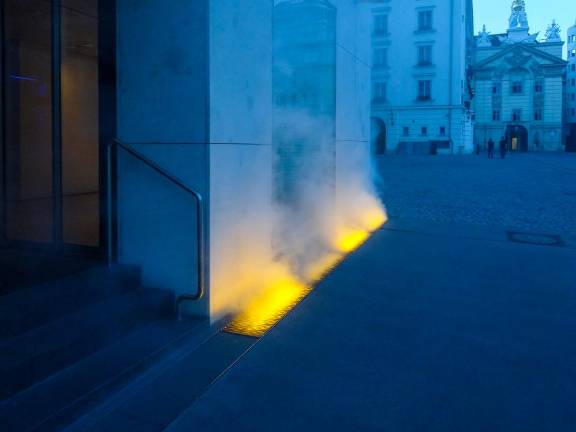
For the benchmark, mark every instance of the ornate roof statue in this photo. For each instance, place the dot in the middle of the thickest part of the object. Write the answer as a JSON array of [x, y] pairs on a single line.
[[553, 33], [518, 18], [518, 5], [484, 38]]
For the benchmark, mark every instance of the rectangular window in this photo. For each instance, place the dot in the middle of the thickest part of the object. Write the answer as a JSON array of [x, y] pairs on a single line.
[[573, 53], [537, 114], [380, 57], [442, 131], [573, 111], [379, 92], [425, 55], [516, 87], [425, 20], [424, 131], [406, 131], [496, 88], [573, 82], [538, 87], [573, 96], [424, 90], [496, 115], [574, 68], [516, 115], [381, 24]]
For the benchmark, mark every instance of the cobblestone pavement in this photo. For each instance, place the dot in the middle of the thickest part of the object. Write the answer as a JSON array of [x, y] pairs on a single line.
[[532, 192]]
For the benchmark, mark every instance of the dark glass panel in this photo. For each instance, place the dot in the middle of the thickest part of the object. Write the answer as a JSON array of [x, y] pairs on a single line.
[[28, 120], [80, 164]]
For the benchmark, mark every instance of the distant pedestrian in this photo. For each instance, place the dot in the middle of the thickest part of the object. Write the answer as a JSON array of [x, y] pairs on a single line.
[[490, 148], [502, 148]]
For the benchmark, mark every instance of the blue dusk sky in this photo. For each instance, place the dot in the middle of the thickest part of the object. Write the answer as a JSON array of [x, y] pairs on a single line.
[[495, 14]]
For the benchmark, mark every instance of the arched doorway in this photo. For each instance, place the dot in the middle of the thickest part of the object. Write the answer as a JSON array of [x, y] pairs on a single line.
[[571, 140], [517, 137], [379, 136]]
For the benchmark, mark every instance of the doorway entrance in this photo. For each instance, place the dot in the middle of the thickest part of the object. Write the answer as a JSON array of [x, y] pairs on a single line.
[[517, 138], [379, 136], [57, 113]]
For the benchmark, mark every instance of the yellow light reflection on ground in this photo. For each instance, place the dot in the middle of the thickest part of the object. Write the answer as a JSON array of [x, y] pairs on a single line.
[[269, 307], [286, 291]]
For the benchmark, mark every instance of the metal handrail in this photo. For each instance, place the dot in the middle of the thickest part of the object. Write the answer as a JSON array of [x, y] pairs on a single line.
[[200, 230]]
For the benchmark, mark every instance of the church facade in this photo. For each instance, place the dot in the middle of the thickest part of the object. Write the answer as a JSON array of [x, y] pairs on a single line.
[[570, 97], [518, 81]]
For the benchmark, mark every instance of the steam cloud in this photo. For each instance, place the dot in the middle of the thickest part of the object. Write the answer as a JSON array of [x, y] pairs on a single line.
[[322, 201]]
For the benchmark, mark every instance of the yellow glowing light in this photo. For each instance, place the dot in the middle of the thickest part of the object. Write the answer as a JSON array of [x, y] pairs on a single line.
[[351, 239], [285, 290], [319, 269], [374, 219], [269, 307]]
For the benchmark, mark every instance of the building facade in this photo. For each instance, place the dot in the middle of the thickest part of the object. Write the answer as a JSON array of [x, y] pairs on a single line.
[[203, 191], [570, 96], [421, 93], [163, 166], [518, 80]]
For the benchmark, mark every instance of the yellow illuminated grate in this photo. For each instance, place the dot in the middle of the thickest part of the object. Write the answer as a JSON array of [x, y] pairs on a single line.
[[268, 308], [285, 292]]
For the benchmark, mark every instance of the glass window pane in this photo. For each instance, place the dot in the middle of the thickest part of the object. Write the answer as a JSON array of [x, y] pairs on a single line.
[[80, 164], [28, 116]]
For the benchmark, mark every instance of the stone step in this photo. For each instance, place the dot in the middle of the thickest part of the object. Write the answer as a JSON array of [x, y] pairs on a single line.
[[27, 308], [40, 352], [71, 392], [154, 404]]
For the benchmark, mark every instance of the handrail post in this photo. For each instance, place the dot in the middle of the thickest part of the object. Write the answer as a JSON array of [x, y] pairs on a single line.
[[200, 222], [109, 204], [201, 263]]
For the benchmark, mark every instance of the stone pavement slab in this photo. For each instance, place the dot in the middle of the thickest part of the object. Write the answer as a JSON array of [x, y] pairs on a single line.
[[528, 191], [419, 330]]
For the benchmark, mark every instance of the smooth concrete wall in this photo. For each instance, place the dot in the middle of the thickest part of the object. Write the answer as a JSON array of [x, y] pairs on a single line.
[[353, 72], [243, 218], [198, 101], [240, 147], [162, 111]]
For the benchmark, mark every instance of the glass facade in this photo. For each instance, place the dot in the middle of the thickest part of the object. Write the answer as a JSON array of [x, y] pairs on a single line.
[[51, 123]]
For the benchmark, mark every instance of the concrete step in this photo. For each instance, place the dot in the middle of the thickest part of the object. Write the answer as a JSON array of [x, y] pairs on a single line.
[[26, 267], [154, 403], [40, 352], [27, 308], [70, 393]]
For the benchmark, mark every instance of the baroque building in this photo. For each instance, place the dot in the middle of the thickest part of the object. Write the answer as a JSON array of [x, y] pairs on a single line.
[[570, 93], [421, 93], [518, 80]]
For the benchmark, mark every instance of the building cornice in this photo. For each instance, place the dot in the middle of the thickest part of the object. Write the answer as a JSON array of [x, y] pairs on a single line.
[[516, 48]]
